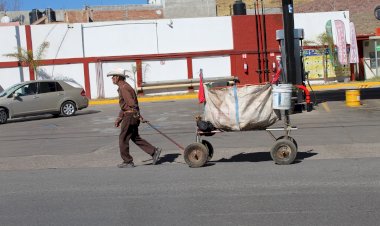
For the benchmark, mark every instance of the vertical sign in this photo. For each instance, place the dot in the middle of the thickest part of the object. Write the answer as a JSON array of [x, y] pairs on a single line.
[[341, 42], [329, 34], [354, 56]]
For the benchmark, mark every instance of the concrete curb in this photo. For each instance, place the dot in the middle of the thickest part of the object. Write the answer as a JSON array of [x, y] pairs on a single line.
[[350, 85], [149, 99], [336, 86]]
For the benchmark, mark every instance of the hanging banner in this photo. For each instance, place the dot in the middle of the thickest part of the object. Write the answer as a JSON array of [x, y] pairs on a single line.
[[341, 42], [329, 34], [354, 56], [99, 80]]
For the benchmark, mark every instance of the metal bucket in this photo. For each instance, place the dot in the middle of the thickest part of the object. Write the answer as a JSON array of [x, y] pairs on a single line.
[[282, 95], [353, 98]]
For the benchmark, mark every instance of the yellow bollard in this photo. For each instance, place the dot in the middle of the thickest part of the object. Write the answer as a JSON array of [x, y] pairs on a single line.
[[353, 98]]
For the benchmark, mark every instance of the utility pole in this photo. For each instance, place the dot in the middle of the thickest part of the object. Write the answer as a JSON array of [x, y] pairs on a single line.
[[288, 20]]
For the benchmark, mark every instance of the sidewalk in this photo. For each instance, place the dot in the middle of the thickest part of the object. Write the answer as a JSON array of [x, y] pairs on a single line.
[[335, 86]]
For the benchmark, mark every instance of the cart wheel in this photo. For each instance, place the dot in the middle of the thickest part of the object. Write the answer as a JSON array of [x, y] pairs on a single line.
[[209, 148], [289, 138], [283, 152], [196, 155]]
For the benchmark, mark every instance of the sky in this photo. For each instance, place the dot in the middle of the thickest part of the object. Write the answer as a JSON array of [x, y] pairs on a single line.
[[68, 4]]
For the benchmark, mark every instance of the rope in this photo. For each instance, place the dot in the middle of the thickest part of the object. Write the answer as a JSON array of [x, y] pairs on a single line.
[[236, 106]]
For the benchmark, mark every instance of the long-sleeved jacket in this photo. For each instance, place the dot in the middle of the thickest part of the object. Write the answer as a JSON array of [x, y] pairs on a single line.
[[127, 98]]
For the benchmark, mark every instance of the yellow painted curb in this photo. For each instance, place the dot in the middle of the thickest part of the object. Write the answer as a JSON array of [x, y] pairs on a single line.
[[170, 97], [148, 99], [351, 85], [101, 102]]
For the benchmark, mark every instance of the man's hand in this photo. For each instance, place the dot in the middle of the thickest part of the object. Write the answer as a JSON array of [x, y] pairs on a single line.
[[118, 121], [143, 120]]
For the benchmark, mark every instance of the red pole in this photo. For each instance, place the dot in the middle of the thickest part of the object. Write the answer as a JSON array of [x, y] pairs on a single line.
[[352, 68], [29, 47], [139, 76], [190, 71], [87, 85]]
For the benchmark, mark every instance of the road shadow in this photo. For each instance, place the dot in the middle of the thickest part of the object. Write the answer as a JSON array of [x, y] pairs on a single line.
[[86, 112], [263, 157], [49, 116], [170, 158], [241, 157], [340, 95]]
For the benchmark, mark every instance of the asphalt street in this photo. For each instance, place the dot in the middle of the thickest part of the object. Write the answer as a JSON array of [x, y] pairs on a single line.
[[314, 192], [62, 171], [89, 139]]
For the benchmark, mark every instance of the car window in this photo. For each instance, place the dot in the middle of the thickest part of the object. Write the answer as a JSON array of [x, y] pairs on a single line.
[[9, 90], [59, 87], [47, 87], [28, 89]]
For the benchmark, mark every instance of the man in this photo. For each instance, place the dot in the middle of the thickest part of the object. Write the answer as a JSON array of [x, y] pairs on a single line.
[[129, 119]]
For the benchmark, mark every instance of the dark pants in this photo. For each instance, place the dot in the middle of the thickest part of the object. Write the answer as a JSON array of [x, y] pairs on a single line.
[[130, 131]]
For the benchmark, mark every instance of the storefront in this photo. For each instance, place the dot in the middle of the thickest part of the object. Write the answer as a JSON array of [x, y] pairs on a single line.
[[371, 51]]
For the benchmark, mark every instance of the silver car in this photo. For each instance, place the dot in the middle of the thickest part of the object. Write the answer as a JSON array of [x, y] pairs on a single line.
[[41, 97]]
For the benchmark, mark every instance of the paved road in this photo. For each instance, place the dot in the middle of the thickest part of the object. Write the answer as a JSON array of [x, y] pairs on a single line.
[[62, 171], [90, 140], [314, 192]]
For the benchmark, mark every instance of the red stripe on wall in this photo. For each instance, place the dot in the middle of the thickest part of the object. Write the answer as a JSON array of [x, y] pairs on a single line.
[[87, 85], [132, 57], [189, 67], [67, 61], [9, 64], [190, 71], [233, 66], [29, 47], [139, 72], [361, 60]]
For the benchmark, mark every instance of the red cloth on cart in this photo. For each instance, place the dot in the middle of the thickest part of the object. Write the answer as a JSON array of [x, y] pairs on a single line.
[[201, 92]]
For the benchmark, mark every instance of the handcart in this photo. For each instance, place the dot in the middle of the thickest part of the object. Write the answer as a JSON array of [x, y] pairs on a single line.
[[283, 151]]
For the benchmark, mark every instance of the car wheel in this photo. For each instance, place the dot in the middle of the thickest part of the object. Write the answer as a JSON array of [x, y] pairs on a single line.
[[68, 109], [3, 116]]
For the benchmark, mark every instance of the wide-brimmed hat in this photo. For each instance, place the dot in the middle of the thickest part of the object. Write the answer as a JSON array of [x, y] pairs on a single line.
[[117, 72]]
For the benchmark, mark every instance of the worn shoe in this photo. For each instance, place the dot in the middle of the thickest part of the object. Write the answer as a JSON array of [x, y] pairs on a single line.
[[126, 165], [156, 155]]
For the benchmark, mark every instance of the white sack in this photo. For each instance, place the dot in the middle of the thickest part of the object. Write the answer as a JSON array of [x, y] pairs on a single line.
[[254, 107]]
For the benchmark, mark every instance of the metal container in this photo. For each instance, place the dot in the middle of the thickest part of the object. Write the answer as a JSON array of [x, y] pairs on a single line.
[[353, 98]]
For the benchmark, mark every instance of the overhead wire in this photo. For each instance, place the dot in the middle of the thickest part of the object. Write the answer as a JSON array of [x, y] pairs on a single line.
[[59, 48]]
